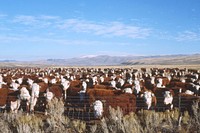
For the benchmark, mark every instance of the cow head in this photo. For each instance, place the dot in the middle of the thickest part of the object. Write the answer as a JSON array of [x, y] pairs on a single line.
[[113, 83], [48, 95], [168, 98], [148, 98], [46, 80], [84, 85], [137, 87], [53, 81], [30, 82], [160, 83], [14, 86], [128, 90], [189, 92], [98, 109], [65, 85]]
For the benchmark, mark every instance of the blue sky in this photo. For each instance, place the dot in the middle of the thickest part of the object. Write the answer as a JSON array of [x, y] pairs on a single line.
[[42, 29]]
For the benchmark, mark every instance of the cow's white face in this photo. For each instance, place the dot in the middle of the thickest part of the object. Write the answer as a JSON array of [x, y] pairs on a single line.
[[168, 98], [46, 80], [65, 84], [130, 81], [189, 92], [53, 81], [169, 77], [98, 109], [94, 79], [183, 80], [30, 81], [128, 90], [136, 82], [14, 85], [160, 80], [148, 98], [101, 79], [113, 83], [121, 81], [49, 96], [153, 80], [193, 80], [196, 75], [159, 84], [84, 84], [197, 87], [20, 80]]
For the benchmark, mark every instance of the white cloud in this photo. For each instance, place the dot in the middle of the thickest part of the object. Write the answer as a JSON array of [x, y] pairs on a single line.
[[3, 15], [188, 36], [42, 21], [83, 26], [48, 17], [27, 20], [105, 29], [40, 40]]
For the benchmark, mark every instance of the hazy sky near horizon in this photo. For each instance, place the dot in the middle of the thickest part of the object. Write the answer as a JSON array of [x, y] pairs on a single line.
[[42, 29]]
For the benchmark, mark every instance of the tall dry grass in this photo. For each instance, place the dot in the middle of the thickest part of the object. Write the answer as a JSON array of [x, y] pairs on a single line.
[[141, 122], [146, 121]]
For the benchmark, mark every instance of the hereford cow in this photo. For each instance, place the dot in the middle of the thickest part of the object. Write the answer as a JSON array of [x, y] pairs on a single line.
[[186, 102], [25, 97], [147, 100], [13, 101], [113, 98], [165, 98], [3, 98]]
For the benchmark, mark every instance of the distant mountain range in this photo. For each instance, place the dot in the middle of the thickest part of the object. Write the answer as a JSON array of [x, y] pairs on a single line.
[[103, 60]]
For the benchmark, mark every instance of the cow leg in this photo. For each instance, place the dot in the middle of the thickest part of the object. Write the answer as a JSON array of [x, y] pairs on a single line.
[[65, 94], [27, 107], [33, 103]]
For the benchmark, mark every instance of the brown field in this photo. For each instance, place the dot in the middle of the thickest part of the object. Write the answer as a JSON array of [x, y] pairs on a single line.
[[140, 66]]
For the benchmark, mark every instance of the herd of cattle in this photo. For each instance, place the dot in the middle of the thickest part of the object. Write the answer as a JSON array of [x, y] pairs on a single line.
[[95, 89]]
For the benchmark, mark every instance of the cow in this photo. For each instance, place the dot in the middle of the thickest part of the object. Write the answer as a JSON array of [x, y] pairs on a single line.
[[137, 87], [164, 98], [25, 97], [113, 98], [13, 101], [147, 100], [65, 84], [186, 101], [3, 98], [35, 90]]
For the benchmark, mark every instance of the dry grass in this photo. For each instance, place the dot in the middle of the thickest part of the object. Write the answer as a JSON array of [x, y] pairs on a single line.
[[142, 122], [147, 122], [58, 123], [189, 66]]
